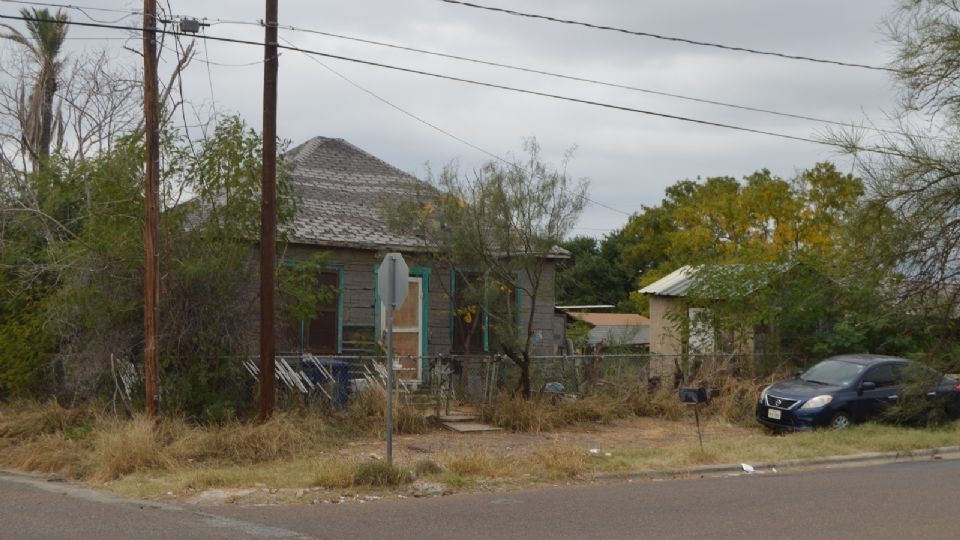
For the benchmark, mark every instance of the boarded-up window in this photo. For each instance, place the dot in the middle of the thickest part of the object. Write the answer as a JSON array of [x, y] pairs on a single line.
[[468, 315], [320, 332]]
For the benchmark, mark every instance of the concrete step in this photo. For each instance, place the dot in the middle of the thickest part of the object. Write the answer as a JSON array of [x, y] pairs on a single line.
[[469, 427], [458, 417]]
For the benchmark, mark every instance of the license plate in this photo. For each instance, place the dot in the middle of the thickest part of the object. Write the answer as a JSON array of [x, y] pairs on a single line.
[[773, 413]]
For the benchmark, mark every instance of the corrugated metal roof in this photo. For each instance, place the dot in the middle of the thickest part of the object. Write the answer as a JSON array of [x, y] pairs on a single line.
[[675, 283], [719, 281]]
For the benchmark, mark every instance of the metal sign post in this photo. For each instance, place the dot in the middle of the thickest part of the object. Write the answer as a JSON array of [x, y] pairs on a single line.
[[393, 283]]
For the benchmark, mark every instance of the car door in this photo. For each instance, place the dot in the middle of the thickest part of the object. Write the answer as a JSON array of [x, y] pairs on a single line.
[[871, 403]]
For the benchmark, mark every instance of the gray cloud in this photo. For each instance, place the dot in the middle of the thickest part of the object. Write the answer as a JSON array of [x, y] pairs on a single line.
[[629, 158]]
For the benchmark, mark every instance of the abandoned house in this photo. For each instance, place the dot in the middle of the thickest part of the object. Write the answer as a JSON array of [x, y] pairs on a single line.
[[342, 191]]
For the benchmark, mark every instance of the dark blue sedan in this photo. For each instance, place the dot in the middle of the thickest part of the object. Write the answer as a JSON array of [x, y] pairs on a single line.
[[842, 390]]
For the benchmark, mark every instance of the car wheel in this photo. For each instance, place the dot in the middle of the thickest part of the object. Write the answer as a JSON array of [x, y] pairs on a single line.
[[841, 420]]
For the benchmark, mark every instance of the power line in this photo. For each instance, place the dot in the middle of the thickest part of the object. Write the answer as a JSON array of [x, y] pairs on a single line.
[[430, 124], [472, 82], [397, 107], [516, 68], [571, 77], [671, 38], [81, 9], [308, 54], [206, 57]]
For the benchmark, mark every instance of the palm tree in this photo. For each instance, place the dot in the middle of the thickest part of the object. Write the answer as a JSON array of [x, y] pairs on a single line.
[[46, 36]]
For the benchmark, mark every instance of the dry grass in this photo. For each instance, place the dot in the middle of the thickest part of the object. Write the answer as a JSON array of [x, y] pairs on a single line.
[[736, 400], [380, 473], [477, 463], [296, 450], [123, 447], [77, 443], [48, 454], [284, 435], [367, 412], [558, 462], [536, 415], [660, 403], [26, 420]]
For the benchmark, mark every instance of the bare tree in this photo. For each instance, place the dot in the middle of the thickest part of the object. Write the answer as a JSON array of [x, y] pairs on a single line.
[[502, 224], [46, 33], [912, 221]]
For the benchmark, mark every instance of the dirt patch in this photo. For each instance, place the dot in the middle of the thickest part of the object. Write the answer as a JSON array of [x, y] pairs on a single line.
[[631, 432]]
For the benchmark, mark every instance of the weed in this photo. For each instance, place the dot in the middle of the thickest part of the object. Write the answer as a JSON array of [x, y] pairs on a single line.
[[536, 415], [380, 473], [27, 420], [335, 474], [367, 411], [50, 454], [426, 467], [657, 403], [735, 400], [597, 409], [533, 415], [559, 462], [125, 447], [476, 463]]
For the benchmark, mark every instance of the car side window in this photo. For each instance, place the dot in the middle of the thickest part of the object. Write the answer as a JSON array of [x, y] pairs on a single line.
[[881, 376]]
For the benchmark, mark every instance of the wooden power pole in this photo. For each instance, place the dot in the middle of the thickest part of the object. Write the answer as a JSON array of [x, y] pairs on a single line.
[[268, 213], [151, 192]]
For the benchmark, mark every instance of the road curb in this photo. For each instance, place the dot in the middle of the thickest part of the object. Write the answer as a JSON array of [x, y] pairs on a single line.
[[881, 457]]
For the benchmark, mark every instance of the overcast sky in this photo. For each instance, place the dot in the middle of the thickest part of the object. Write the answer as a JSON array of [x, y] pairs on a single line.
[[629, 158]]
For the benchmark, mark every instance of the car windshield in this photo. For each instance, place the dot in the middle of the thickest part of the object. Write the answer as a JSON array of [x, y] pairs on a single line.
[[832, 372]]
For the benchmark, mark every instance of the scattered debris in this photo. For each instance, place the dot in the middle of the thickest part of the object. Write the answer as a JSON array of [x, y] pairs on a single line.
[[747, 468], [428, 489]]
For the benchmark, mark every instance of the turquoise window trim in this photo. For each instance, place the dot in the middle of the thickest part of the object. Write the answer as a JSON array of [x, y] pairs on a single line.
[[341, 290], [424, 274]]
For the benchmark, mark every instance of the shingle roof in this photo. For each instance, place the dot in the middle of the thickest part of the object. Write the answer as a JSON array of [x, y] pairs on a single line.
[[342, 190]]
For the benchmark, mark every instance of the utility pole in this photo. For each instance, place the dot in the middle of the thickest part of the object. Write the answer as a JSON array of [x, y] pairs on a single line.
[[151, 192], [268, 213]]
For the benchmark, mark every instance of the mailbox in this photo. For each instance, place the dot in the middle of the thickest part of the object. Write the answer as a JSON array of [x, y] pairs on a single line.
[[693, 394]]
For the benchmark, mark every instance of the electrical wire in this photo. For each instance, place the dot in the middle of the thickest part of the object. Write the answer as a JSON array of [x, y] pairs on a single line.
[[206, 57], [574, 78], [522, 69], [81, 9], [670, 38], [475, 82], [72, 6], [427, 123], [479, 83], [180, 52]]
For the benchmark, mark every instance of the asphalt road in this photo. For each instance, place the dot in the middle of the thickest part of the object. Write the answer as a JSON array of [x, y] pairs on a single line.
[[903, 500], [35, 509]]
